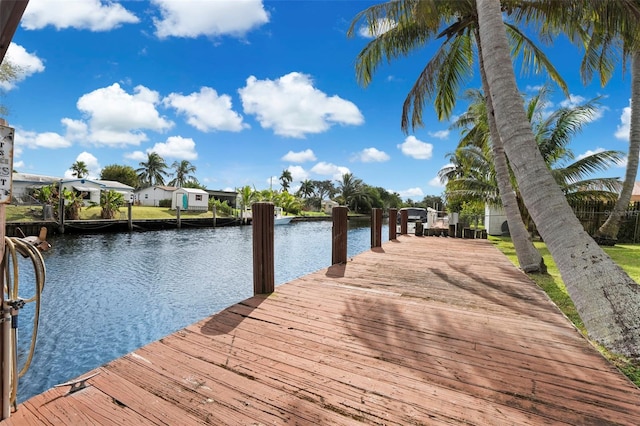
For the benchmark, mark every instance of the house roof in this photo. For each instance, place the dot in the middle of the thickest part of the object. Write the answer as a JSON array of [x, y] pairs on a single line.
[[112, 184], [39, 179], [194, 190]]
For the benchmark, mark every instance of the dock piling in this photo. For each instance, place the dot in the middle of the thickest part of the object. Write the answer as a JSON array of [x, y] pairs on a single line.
[[339, 235], [263, 258]]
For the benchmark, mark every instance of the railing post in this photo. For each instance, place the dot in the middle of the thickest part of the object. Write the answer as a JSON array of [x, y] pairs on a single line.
[[404, 218], [263, 259], [376, 228], [339, 234], [393, 219]]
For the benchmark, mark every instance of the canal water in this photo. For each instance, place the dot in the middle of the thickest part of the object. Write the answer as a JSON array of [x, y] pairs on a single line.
[[106, 295]]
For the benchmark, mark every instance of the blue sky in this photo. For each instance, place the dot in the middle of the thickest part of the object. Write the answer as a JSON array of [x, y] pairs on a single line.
[[243, 90]]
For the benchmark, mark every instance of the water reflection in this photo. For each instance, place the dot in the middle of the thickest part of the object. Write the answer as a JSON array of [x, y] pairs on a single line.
[[107, 295]]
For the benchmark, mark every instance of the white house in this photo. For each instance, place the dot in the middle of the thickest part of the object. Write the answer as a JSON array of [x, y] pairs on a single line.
[[87, 188], [112, 185], [152, 195], [23, 185], [328, 205], [190, 199]]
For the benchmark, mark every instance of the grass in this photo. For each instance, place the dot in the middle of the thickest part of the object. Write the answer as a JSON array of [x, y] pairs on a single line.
[[627, 256], [34, 213]]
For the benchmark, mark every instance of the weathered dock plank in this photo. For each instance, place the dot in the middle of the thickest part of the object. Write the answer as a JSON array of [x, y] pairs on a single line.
[[421, 331]]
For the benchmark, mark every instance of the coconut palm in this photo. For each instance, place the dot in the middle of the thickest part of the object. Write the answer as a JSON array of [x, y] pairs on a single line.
[[153, 171], [183, 173], [352, 192], [606, 298], [418, 22], [471, 174], [285, 180], [79, 169], [306, 188]]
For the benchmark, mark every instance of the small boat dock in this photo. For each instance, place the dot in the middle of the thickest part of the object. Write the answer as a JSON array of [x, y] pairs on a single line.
[[422, 331]]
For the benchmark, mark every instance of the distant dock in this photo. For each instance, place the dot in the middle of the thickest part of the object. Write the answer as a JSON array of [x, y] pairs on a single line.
[[412, 333]]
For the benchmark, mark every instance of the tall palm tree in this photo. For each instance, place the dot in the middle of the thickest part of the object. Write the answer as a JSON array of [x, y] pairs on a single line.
[[153, 171], [606, 298], [79, 169], [285, 180], [183, 170], [419, 22]]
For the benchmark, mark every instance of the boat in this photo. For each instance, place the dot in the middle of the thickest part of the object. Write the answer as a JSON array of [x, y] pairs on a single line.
[[279, 218]]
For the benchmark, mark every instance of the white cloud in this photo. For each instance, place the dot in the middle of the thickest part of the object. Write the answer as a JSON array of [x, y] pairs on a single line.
[[412, 147], [93, 15], [440, 134], [206, 110], [176, 147], [412, 193], [117, 118], [292, 107], [589, 153], [29, 139], [380, 27], [92, 165], [371, 155], [436, 182], [27, 64], [299, 157], [622, 131], [208, 18], [328, 169], [136, 156]]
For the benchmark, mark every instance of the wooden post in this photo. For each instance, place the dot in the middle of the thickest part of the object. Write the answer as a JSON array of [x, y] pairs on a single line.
[[393, 220], [214, 215], [339, 233], [404, 219], [178, 221], [263, 259], [376, 228], [60, 210], [130, 215]]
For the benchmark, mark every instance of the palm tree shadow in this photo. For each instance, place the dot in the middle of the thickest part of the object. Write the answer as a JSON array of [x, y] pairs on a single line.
[[225, 321]]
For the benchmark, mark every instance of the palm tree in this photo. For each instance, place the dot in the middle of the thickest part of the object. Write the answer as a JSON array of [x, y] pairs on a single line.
[[152, 171], [79, 169], [472, 175], [110, 203], [606, 298], [247, 196], [417, 23], [285, 180], [183, 170], [352, 191], [306, 188]]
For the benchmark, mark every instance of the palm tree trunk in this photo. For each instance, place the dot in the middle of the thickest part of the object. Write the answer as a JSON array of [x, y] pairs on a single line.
[[606, 298], [529, 257], [608, 232]]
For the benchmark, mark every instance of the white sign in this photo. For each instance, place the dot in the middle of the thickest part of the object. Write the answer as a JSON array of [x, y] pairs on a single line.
[[6, 163]]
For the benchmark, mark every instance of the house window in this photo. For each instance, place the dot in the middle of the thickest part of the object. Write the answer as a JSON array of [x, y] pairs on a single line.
[[146, 196], [198, 197]]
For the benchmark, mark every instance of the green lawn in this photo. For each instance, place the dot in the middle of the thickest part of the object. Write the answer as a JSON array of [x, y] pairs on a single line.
[[625, 255], [31, 213]]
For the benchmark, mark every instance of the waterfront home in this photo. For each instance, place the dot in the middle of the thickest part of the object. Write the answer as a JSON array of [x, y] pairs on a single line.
[[190, 199], [24, 185], [328, 205], [152, 195]]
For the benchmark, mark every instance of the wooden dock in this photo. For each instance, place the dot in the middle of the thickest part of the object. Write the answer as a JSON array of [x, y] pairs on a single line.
[[423, 331]]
